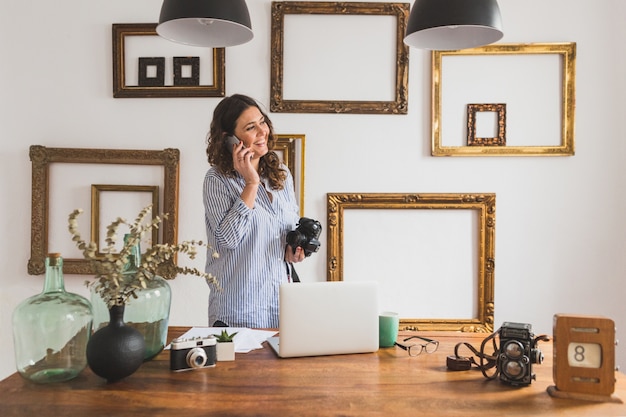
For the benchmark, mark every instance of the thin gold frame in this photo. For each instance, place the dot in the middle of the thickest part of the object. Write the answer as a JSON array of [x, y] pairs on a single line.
[[483, 204], [287, 144], [280, 105], [42, 157], [566, 148], [121, 90], [97, 189]]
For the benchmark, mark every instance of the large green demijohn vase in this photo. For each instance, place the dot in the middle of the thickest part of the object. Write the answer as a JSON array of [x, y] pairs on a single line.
[[51, 330]]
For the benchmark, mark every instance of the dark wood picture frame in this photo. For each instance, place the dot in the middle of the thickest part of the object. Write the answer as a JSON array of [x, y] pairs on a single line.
[[191, 61], [121, 90], [42, 157], [159, 79], [282, 8]]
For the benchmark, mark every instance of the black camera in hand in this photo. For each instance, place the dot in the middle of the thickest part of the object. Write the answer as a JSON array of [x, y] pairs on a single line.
[[305, 236], [518, 351]]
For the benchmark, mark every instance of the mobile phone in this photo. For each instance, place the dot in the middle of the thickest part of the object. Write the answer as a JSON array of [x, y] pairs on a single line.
[[231, 141]]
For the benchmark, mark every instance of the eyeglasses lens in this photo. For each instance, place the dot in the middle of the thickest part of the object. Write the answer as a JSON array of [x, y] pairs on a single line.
[[431, 347]]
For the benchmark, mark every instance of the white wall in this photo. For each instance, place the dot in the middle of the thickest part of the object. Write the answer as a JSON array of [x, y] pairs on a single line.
[[560, 235]]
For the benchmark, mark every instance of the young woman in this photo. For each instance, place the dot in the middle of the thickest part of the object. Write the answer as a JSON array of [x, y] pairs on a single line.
[[250, 206]]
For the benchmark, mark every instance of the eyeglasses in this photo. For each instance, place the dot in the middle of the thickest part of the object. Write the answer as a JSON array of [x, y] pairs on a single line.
[[430, 346]]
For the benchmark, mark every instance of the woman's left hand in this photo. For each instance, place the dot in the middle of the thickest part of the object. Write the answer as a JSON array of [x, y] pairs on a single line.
[[292, 257]]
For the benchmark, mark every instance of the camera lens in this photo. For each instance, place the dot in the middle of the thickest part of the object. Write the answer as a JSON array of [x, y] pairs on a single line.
[[514, 349], [196, 358], [514, 370]]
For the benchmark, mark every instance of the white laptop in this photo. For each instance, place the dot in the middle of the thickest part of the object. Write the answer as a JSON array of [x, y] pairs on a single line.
[[327, 318]]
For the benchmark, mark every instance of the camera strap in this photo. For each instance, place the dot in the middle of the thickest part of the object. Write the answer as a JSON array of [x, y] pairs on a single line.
[[292, 275], [484, 362]]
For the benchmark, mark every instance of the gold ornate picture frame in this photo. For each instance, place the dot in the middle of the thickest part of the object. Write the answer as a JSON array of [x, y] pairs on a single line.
[[97, 203], [479, 209], [281, 104], [554, 91], [44, 158], [291, 149], [123, 32], [500, 138]]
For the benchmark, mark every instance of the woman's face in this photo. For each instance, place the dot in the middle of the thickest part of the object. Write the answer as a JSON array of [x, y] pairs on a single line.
[[253, 131]]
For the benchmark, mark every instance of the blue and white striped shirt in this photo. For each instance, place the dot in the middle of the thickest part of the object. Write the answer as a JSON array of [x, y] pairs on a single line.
[[251, 247]]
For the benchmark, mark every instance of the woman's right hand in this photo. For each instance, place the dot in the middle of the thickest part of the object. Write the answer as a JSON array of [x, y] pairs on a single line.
[[242, 162]]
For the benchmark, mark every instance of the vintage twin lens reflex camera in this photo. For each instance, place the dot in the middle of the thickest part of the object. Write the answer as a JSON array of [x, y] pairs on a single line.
[[195, 353], [517, 353]]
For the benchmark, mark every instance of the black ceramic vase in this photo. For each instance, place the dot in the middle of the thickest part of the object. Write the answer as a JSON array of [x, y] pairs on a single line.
[[117, 350]]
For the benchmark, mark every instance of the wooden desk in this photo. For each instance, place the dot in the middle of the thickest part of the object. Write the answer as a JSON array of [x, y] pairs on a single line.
[[258, 383]]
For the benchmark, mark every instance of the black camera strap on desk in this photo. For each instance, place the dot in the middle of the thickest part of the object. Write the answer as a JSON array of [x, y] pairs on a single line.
[[484, 363]]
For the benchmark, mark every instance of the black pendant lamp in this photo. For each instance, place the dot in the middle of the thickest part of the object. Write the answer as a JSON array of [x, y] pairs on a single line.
[[453, 24], [210, 23]]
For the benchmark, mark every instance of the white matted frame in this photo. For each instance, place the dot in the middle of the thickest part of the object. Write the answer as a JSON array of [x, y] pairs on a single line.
[[290, 149], [61, 180], [537, 83], [314, 74], [447, 229], [110, 201]]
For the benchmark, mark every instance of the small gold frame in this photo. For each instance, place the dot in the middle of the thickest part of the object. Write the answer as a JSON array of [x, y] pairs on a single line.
[[121, 90], [484, 204], [281, 8], [96, 189], [286, 144], [499, 140], [41, 158], [566, 50]]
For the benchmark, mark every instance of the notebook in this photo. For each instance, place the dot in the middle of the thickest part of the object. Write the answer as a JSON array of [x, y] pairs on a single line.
[[327, 318]]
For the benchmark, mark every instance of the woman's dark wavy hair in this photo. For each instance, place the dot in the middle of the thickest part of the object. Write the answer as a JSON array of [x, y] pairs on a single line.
[[225, 117]]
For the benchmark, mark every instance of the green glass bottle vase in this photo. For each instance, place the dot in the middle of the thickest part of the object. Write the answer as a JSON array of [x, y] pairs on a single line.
[[148, 313], [51, 330]]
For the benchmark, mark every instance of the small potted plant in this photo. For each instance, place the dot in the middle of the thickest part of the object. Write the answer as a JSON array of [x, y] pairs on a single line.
[[225, 348]]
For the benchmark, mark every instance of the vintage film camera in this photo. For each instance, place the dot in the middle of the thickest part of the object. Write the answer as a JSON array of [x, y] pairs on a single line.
[[518, 351], [305, 236], [195, 353]]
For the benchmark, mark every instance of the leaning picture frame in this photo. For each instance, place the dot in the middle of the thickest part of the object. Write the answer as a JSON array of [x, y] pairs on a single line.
[[207, 72], [540, 102], [319, 62], [453, 233], [291, 150], [51, 194]]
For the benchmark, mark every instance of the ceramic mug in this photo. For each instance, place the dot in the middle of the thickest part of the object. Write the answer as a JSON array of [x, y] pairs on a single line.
[[388, 323]]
